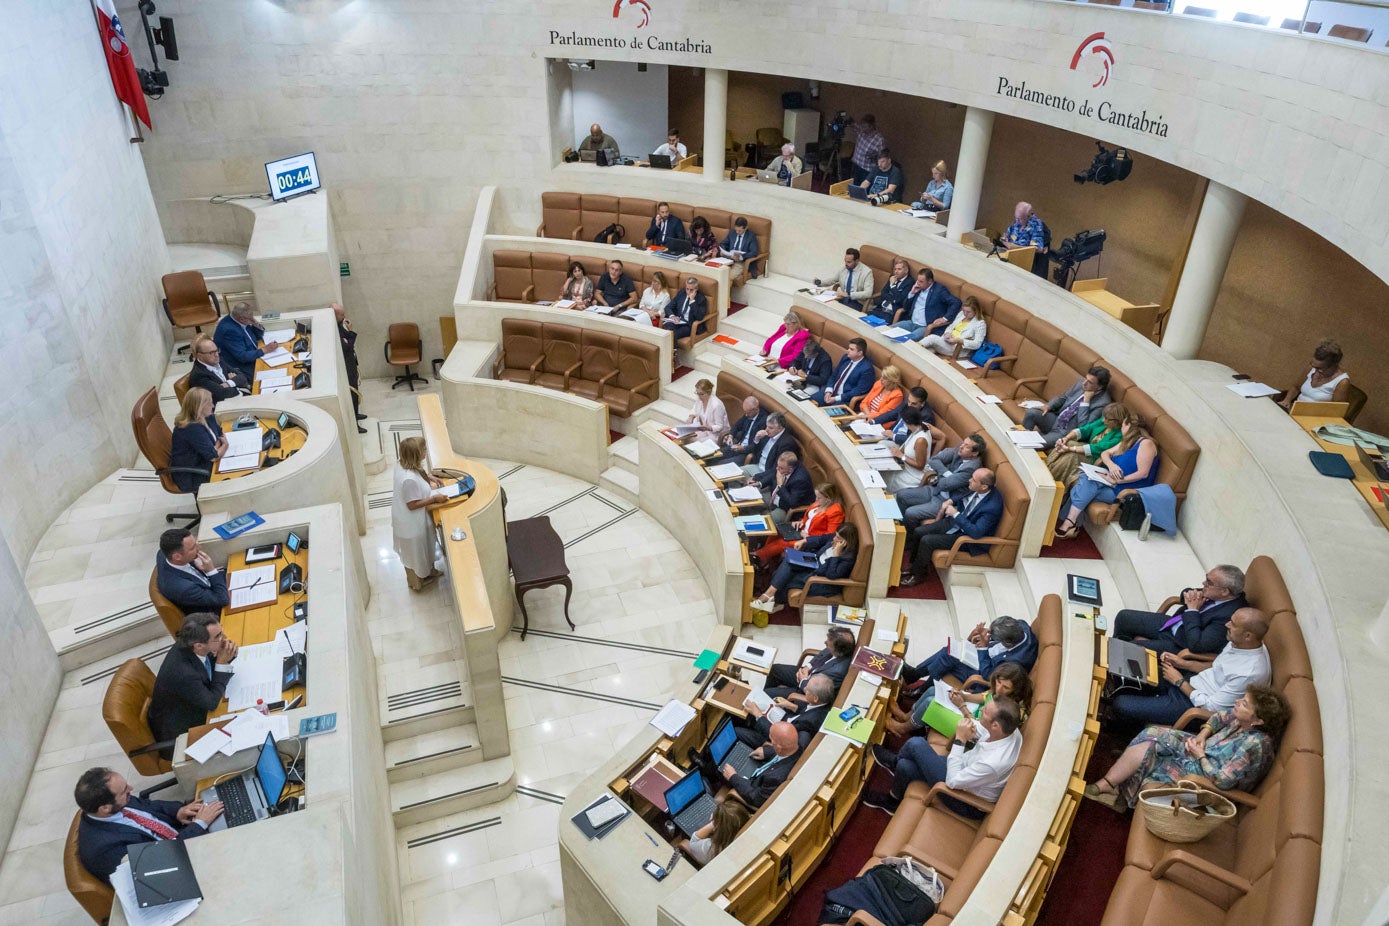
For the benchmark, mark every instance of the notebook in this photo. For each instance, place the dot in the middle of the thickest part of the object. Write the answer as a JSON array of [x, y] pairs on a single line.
[[1331, 464]]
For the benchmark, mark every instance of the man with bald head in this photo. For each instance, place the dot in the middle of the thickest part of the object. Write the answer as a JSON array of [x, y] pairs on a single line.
[[754, 789], [598, 140], [1243, 662], [973, 511]]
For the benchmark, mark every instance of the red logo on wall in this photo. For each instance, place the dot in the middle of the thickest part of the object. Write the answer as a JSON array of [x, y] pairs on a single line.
[[640, 5], [1093, 47]]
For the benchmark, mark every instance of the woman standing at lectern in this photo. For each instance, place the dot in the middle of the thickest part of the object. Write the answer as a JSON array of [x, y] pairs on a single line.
[[416, 542]]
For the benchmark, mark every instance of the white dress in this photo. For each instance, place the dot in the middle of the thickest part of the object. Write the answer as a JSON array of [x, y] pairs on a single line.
[[909, 477], [416, 541], [1323, 393], [653, 303]]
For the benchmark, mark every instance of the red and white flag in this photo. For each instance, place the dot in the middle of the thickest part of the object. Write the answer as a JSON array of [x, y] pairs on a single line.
[[123, 77]]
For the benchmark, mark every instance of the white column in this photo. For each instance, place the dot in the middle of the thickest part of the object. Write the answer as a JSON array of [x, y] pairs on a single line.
[[1211, 244], [969, 173], [715, 121]]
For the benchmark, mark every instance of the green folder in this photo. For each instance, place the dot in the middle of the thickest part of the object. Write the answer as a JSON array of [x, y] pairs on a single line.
[[942, 719], [858, 729], [707, 659]]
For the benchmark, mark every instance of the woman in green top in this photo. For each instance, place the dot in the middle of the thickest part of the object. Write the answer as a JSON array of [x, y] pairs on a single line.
[[1086, 443]]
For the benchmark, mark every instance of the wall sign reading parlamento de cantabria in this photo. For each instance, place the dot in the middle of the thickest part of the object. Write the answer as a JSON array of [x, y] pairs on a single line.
[[1104, 112], [573, 39]]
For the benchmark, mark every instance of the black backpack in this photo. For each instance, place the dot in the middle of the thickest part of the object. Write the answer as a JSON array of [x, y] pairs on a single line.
[[883, 892]]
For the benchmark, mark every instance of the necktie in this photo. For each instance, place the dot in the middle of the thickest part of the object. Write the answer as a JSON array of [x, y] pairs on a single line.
[[1063, 420], [210, 669], [738, 245], [765, 765], [969, 506], [747, 436], [160, 830], [662, 233], [849, 284], [839, 383]]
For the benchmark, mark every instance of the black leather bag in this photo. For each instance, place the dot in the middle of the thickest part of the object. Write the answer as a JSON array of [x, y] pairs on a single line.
[[1131, 512]]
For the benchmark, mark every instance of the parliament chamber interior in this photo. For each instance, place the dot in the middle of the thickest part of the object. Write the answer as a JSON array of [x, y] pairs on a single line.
[[877, 464]]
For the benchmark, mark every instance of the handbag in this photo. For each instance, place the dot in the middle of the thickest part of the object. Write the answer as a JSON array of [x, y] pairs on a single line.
[[1131, 512], [1184, 811], [986, 352]]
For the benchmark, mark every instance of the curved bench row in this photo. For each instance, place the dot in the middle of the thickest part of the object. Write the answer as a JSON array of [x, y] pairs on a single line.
[[622, 373]]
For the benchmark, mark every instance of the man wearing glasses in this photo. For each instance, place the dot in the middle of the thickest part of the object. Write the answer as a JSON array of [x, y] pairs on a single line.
[[1197, 625], [210, 373]]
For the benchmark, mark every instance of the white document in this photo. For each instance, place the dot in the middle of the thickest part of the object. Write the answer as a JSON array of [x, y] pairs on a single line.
[[259, 671], [1032, 403], [636, 315], [918, 213], [887, 636], [672, 718], [875, 451], [871, 478], [264, 593], [292, 639], [249, 728], [743, 651], [565, 304], [163, 915], [284, 336], [304, 355], [723, 261], [827, 296], [942, 697], [605, 812], [726, 471], [620, 245], [231, 464], [1097, 473], [1252, 390], [683, 429], [277, 357], [245, 441], [989, 399], [788, 380], [210, 744], [263, 375], [755, 359], [244, 577], [965, 651], [745, 494], [1029, 440], [966, 365], [867, 430], [285, 386], [895, 331], [884, 464], [763, 702], [702, 448]]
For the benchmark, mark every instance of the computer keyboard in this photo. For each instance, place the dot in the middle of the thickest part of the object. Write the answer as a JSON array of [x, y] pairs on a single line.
[[236, 801], [701, 811]]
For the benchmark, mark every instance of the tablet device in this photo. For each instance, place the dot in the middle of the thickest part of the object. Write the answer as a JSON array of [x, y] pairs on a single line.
[[1083, 590], [293, 542]]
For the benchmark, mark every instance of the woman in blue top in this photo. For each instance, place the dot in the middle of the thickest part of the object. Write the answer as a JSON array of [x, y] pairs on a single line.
[[939, 191], [1132, 464], [197, 441]]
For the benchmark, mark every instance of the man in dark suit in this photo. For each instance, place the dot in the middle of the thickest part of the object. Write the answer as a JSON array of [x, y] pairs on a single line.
[[348, 339], [740, 245], [812, 364], [853, 377], [186, 575], [1081, 404], [947, 473], [784, 679], [193, 677], [975, 513], [1015, 641], [754, 789], [756, 730], [786, 487], [1200, 624], [768, 446], [742, 437], [114, 818], [210, 373], [685, 309], [894, 291], [928, 308], [241, 340], [664, 228]]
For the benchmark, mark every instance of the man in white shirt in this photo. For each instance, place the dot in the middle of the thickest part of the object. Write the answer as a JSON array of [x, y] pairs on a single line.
[[673, 148], [1243, 662], [186, 575], [982, 771]]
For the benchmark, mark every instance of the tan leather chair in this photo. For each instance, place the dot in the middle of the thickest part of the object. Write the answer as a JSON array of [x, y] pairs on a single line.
[[169, 613], [181, 387], [188, 303], [403, 348], [1350, 33], [125, 709], [769, 141], [93, 894], [1355, 399], [153, 437]]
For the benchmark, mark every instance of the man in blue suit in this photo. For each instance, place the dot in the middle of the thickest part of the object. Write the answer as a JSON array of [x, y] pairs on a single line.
[[974, 512], [740, 246], [786, 487], [928, 308], [665, 228], [241, 340], [187, 576], [1006, 639], [685, 309], [853, 377], [114, 819]]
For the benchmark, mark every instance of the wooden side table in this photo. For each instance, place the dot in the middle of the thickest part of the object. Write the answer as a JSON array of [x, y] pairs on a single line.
[[536, 555]]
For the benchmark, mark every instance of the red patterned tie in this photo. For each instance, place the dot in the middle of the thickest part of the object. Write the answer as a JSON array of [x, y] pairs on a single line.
[[150, 823]]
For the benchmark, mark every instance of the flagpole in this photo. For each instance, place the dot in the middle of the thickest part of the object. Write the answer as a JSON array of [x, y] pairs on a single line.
[[139, 136]]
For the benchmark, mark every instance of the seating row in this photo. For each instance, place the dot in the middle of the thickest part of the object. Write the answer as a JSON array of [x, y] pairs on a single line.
[[622, 373], [959, 849], [582, 216], [824, 466], [530, 276], [957, 420], [1264, 867], [1040, 361]]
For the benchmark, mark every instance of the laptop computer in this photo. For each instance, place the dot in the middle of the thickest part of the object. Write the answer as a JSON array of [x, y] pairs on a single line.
[[679, 245], [1128, 660], [769, 176], [689, 803], [858, 192], [979, 241], [661, 161], [1376, 465], [588, 154], [254, 793], [788, 532], [725, 749]]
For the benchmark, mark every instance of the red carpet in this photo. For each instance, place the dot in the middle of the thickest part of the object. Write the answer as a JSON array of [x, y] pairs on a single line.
[[845, 859], [679, 372], [615, 436], [736, 306], [932, 589], [1082, 547], [786, 617]]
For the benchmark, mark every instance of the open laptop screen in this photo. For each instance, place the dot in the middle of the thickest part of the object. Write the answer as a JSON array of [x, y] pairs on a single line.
[[271, 772], [724, 738], [684, 792]]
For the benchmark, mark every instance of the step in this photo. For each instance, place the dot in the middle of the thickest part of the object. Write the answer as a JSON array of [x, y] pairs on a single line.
[[968, 606], [1006, 595], [374, 458], [417, 800], [621, 483], [219, 264], [432, 752], [771, 293], [434, 698], [753, 324], [623, 454], [665, 412], [87, 641]]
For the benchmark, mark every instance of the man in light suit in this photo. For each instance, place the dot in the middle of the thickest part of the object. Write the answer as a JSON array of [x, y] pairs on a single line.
[[664, 228], [785, 680], [854, 282], [684, 310], [210, 373], [740, 246], [1079, 405], [186, 575], [975, 513], [756, 729], [768, 446], [193, 678], [852, 377], [241, 340], [754, 789], [947, 473], [928, 308], [114, 818]]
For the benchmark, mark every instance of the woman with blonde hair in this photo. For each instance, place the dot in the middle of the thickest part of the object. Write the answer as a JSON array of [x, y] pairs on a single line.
[[939, 191], [966, 333], [416, 541], [197, 442], [713, 837], [1085, 443], [885, 396], [708, 413], [654, 298]]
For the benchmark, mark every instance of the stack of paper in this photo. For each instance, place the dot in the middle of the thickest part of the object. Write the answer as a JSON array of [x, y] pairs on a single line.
[[726, 471], [163, 915], [966, 365], [867, 430], [871, 478], [884, 464], [1097, 473], [1252, 390], [1032, 403], [827, 296], [565, 304], [1028, 440], [672, 718], [745, 494], [720, 261], [917, 213], [886, 509], [259, 671], [896, 331], [292, 639], [284, 336], [875, 452], [989, 399], [277, 357], [240, 443], [702, 448], [235, 464], [753, 653], [763, 702]]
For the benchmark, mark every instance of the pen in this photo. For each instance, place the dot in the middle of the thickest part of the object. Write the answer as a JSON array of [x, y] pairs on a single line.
[[653, 841]]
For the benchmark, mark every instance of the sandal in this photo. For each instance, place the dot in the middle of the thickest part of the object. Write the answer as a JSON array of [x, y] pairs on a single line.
[[1110, 799], [1068, 533]]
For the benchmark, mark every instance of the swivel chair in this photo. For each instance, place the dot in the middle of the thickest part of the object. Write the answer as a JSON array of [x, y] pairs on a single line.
[[404, 348], [170, 613], [93, 894], [188, 303], [153, 437], [126, 710], [181, 387]]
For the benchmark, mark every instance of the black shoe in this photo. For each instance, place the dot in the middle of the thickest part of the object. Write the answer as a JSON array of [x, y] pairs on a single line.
[[361, 430], [881, 800], [908, 581], [885, 757], [361, 417]]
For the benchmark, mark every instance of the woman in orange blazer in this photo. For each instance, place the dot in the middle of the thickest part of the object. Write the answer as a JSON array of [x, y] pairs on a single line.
[[823, 517], [887, 393]]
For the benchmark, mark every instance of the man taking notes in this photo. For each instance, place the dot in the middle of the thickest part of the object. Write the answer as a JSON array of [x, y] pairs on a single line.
[[240, 340]]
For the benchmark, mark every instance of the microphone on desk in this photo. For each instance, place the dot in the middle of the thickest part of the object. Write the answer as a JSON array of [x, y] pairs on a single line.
[[295, 667]]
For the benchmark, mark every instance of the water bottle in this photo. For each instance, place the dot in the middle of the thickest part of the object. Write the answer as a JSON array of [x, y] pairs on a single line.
[[260, 706]]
